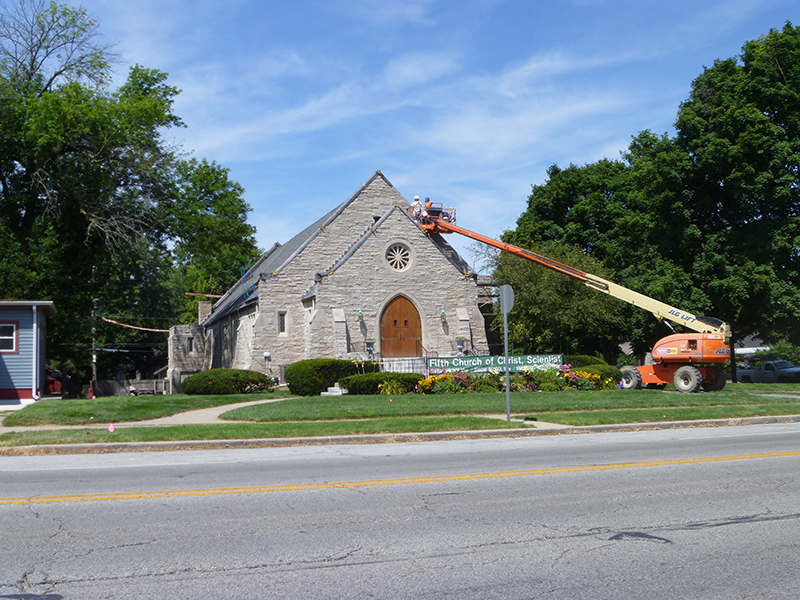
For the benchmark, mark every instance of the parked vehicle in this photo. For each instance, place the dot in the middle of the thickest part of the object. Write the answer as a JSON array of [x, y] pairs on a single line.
[[773, 371]]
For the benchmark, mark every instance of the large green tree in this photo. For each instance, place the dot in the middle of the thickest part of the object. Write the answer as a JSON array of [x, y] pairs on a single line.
[[209, 229], [740, 130], [708, 220], [97, 210]]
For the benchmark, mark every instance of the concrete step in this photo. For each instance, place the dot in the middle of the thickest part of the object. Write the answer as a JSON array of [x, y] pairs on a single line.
[[334, 391]]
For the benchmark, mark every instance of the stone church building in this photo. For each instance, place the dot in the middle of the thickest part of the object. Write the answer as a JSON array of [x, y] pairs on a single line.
[[363, 281]]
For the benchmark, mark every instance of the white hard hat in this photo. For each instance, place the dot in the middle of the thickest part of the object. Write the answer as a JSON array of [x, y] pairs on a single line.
[[416, 197]]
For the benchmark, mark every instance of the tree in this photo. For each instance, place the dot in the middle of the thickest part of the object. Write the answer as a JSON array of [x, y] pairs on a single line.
[[208, 227], [554, 313], [740, 129], [92, 198], [708, 220], [43, 44]]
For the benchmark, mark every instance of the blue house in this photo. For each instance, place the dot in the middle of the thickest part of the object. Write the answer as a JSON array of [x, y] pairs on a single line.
[[23, 327]]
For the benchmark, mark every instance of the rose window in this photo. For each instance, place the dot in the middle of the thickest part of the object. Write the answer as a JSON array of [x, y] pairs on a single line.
[[398, 256]]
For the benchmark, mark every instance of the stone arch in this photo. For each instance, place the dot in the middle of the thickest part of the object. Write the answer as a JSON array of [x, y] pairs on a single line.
[[401, 329]]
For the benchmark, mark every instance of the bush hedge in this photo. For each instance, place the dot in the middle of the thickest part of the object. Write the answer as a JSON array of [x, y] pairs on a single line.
[[604, 371], [578, 361], [313, 376], [369, 383], [226, 381]]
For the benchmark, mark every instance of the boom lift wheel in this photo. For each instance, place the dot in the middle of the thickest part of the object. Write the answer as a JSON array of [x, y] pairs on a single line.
[[631, 378], [688, 379], [719, 380]]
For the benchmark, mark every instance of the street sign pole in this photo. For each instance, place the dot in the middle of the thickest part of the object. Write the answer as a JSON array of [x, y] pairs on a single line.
[[506, 304]]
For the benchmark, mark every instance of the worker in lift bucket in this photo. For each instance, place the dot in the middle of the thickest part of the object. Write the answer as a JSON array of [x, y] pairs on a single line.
[[415, 210], [426, 210]]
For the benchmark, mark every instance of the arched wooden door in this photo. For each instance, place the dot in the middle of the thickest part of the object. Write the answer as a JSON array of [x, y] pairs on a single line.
[[401, 329]]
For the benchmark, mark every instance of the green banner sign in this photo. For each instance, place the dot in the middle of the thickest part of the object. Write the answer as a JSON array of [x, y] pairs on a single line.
[[479, 364]]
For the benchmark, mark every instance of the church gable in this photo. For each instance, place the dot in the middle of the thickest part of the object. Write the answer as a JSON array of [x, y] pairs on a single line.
[[398, 260], [362, 278], [362, 217], [353, 220]]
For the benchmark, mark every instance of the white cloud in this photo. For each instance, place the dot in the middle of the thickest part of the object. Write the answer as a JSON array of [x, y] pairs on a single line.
[[416, 69]]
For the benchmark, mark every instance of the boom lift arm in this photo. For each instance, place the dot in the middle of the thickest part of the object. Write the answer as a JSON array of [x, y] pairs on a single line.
[[660, 310], [691, 360]]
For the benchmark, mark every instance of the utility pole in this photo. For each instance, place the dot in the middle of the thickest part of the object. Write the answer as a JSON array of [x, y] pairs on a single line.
[[95, 301]]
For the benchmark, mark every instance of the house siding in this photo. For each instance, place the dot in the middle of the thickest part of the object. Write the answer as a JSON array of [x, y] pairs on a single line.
[[18, 366], [22, 372]]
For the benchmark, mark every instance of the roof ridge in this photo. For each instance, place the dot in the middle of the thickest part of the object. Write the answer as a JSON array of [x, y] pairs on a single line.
[[330, 218], [358, 243], [279, 256]]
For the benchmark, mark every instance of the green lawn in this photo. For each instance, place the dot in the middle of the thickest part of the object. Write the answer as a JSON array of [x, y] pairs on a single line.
[[236, 431], [360, 407], [121, 409], [343, 415]]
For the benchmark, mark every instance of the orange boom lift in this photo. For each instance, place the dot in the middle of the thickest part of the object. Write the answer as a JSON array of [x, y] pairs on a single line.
[[693, 361]]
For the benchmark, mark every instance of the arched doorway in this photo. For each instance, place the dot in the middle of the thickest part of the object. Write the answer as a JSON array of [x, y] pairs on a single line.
[[401, 329]]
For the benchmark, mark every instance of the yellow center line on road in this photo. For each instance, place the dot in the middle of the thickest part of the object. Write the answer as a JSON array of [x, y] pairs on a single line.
[[374, 482]]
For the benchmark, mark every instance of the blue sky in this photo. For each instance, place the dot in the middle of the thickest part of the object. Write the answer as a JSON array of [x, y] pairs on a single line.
[[468, 102]]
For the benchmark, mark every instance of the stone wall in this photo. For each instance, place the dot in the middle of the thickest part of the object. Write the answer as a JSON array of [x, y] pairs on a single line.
[[329, 325], [368, 283], [188, 354]]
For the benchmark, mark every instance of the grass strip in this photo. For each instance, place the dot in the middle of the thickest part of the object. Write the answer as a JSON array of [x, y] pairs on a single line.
[[657, 415], [356, 407], [124, 409], [121, 409], [251, 430]]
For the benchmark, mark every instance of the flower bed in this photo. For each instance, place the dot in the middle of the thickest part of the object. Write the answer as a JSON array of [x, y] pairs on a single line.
[[527, 379]]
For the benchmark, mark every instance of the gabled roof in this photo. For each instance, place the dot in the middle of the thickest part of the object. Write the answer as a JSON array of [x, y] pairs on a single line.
[[279, 256]]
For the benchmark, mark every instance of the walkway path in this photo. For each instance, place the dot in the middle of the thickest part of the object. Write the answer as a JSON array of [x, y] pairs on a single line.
[[210, 416], [201, 416]]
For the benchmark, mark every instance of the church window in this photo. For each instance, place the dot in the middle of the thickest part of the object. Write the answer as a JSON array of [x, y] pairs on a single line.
[[398, 256], [282, 321]]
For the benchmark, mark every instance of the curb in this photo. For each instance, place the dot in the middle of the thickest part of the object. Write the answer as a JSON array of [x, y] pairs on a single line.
[[102, 448]]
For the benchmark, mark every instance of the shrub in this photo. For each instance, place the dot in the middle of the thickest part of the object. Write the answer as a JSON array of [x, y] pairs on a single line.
[[391, 387], [449, 385], [428, 384], [311, 377], [371, 383], [582, 360], [485, 382], [545, 379], [459, 382], [626, 360], [226, 381], [604, 377]]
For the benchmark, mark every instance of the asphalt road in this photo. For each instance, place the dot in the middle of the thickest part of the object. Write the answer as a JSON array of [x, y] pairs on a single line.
[[691, 513]]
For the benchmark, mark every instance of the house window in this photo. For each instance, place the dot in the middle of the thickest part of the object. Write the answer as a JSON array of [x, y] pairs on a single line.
[[9, 337], [190, 344], [282, 321]]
